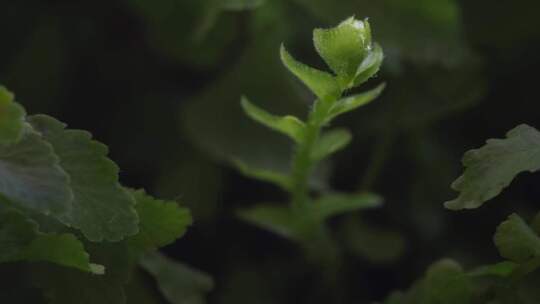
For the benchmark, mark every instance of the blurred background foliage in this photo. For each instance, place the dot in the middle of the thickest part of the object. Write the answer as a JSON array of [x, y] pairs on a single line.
[[159, 81]]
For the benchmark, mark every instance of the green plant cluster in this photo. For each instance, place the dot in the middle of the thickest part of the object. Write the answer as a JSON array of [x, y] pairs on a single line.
[[74, 234], [515, 279], [64, 215]]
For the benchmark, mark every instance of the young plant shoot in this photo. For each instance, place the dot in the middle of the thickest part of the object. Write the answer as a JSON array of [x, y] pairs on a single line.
[[353, 58]]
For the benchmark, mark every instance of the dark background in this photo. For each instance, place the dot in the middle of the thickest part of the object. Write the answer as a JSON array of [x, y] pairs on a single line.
[[159, 82]]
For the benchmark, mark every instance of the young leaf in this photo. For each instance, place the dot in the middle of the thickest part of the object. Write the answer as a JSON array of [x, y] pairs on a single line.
[[330, 142], [502, 269], [32, 177], [333, 204], [102, 209], [20, 240], [276, 178], [516, 241], [355, 101], [322, 84], [11, 118], [160, 222], [272, 217], [289, 125], [343, 47], [492, 167], [370, 66], [179, 283]]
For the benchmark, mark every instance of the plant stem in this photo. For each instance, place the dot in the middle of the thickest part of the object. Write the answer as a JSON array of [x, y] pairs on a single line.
[[302, 161]]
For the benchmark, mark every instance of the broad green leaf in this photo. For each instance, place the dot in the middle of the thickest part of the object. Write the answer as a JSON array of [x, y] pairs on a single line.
[[67, 286], [516, 241], [179, 283], [343, 47], [330, 142], [276, 178], [370, 66], [322, 84], [446, 283], [336, 203], [160, 222], [20, 240], [353, 102], [102, 209], [502, 269], [276, 218], [492, 167], [32, 177], [289, 125], [11, 118], [239, 5]]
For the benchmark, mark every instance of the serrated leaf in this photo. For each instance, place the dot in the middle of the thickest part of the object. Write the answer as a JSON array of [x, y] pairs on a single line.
[[102, 209], [288, 125], [179, 283], [336, 203], [273, 217], [343, 47], [516, 241], [31, 176], [492, 167], [20, 240], [502, 269], [370, 65], [11, 118], [330, 142], [322, 84], [353, 102], [276, 178], [160, 222]]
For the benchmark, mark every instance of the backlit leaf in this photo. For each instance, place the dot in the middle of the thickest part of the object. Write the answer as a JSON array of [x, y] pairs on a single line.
[[343, 47], [289, 125], [276, 178], [353, 102], [336, 203], [492, 167], [330, 142], [322, 84]]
